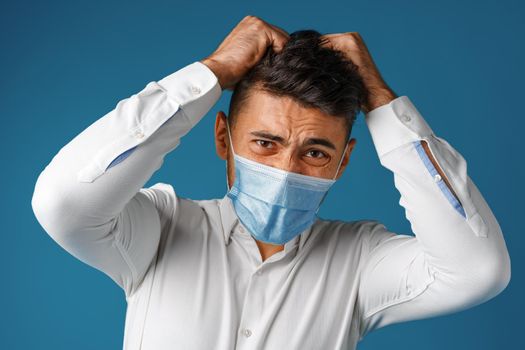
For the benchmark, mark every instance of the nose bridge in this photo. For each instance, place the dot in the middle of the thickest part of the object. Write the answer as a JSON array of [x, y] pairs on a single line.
[[289, 161]]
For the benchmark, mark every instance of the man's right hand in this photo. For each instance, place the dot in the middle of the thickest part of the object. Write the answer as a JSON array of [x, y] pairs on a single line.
[[243, 48]]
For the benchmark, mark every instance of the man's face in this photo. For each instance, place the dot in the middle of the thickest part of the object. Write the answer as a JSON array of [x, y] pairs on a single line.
[[278, 132]]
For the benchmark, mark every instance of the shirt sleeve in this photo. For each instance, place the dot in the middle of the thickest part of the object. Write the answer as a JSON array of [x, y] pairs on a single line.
[[457, 258], [90, 198]]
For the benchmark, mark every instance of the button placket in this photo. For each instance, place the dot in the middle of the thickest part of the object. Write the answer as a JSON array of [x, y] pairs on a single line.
[[251, 310]]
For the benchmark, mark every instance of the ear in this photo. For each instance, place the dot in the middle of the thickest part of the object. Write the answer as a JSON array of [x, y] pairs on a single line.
[[221, 135], [346, 157]]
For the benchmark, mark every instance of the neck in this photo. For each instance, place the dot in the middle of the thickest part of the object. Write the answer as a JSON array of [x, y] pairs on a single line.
[[267, 249]]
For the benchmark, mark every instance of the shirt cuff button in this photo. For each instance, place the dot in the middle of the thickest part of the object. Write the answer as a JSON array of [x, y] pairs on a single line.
[[195, 90]]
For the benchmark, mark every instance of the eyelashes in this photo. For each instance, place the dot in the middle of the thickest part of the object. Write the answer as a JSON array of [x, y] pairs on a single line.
[[312, 156]]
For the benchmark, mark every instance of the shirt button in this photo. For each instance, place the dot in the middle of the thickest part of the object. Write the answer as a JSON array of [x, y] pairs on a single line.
[[139, 134], [437, 177], [241, 229], [196, 90], [258, 272], [406, 118], [247, 333]]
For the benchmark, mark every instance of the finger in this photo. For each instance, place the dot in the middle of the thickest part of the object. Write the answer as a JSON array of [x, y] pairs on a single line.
[[278, 39], [326, 41], [274, 27], [280, 30], [278, 36]]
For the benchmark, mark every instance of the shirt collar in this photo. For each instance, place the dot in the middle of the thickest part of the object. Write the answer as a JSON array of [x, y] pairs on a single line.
[[229, 220]]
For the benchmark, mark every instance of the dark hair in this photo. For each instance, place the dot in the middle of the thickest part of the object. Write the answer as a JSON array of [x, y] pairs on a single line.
[[312, 75]]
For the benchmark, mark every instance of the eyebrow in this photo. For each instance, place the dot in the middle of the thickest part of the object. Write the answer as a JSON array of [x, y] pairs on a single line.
[[307, 142], [318, 141]]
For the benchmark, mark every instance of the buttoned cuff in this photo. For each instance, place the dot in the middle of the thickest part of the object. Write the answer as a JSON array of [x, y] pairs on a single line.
[[195, 88], [395, 124]]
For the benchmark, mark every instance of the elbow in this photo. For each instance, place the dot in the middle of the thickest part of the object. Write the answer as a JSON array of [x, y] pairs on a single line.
[[44, 207], [503, 272], [494, 275], [497, 266], [49, 208]]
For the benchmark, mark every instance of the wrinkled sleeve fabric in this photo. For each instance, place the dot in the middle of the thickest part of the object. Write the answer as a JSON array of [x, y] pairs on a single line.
[[457, 257], [90, 198]]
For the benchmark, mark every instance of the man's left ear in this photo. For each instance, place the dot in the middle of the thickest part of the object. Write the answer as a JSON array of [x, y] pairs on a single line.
[[346, 157]]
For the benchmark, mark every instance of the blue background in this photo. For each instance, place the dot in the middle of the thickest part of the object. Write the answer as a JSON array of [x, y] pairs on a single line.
[[65, 64]]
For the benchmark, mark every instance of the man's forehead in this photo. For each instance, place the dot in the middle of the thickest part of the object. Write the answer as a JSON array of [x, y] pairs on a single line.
[[263, 102], [286, 116]]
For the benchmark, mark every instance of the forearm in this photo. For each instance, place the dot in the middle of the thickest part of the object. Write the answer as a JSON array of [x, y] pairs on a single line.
[[458, 257], [384, 95], [438, 168], [450, 235], [79, 180]]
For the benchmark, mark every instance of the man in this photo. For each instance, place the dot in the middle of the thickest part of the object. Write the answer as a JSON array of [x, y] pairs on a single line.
[[258, 269]]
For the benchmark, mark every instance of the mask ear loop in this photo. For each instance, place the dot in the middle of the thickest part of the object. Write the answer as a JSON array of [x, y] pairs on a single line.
[[336, 172], [231, 145], [227, 184], [340, 162], [229, 135]]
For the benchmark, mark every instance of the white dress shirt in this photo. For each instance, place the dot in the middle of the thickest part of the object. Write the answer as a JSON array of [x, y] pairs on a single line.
[[193, 276]]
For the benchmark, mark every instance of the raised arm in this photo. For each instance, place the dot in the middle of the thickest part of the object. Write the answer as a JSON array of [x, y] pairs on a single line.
[[90, 199], [458, 257]]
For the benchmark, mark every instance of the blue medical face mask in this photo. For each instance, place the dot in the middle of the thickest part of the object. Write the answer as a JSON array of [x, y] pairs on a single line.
[[273, 204]]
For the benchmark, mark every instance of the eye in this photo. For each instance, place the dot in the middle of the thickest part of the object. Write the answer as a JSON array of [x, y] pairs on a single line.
[[314, 153], [264, 143], [316, 157]]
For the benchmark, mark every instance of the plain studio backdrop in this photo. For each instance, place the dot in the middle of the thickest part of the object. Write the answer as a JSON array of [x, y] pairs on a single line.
[[64, 64]]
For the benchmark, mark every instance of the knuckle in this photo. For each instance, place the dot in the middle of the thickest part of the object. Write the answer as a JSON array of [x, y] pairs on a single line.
[[352, 37], [356, 36], [248, 18], [258, 25]]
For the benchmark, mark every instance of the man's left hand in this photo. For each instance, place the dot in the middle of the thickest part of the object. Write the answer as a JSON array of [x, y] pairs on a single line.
[[354, 48]]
